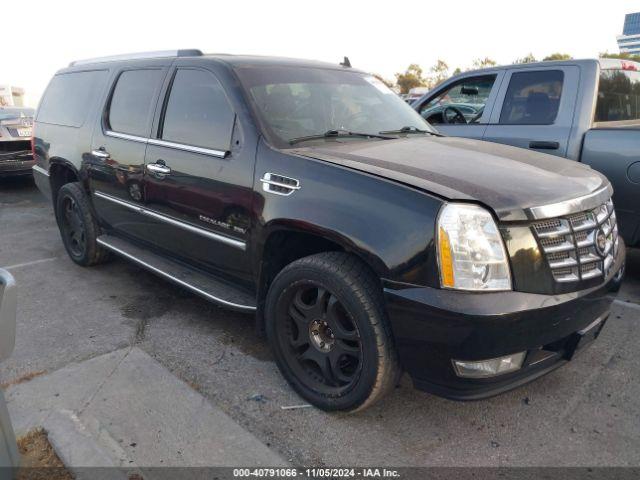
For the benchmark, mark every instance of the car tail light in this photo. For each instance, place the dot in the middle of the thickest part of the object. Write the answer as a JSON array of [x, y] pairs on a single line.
[[33, 144]]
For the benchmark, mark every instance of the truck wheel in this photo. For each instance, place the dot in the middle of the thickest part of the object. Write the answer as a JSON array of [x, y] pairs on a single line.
[[78, 227], [328, 328]]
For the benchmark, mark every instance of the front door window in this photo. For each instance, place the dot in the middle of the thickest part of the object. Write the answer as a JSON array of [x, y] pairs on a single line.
[[462, 103]]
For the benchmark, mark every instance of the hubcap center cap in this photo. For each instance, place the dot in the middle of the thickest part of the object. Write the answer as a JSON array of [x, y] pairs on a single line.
[[321, 335]]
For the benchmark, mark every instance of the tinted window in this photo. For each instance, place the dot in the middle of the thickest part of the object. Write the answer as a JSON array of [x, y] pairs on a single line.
[[132, 103], [618, 96], [532, 98], [462, 103], [197, 111], [68, 97]]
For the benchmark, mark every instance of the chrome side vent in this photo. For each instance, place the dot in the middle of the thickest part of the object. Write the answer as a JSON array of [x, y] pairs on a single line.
[[279, 184]]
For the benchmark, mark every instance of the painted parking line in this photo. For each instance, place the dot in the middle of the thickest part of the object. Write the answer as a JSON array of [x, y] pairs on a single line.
[[28, 264], [631, 305]]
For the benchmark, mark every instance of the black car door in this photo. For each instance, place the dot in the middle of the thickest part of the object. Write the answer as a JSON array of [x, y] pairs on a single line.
[[197, 185], [116, 161]]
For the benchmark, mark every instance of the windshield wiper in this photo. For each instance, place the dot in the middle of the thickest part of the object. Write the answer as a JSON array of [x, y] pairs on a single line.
[[412, 130], [339, 133]]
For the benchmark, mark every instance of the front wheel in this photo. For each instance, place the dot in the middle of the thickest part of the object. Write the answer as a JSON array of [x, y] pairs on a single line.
[[329, 332]]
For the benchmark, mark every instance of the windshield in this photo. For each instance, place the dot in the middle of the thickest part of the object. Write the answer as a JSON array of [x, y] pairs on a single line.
[[10, 113], [295, 102]]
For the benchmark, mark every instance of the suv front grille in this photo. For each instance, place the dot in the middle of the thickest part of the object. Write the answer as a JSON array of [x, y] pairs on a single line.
[[581, 246]]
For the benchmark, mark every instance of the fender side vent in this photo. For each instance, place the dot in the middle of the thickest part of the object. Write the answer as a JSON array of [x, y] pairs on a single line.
[[279, 184]]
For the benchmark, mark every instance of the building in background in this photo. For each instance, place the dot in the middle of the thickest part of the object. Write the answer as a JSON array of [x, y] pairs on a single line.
[[629, 41], [11, 96]]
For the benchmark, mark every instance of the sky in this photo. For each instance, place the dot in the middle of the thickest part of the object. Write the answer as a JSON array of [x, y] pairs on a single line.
[[379, 37]]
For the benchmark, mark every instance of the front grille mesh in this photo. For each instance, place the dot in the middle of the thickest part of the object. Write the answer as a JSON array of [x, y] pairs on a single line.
[[570, 247]]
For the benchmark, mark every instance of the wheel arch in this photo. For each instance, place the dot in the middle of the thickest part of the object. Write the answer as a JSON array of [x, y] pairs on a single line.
[[287, 241], [61, 172]]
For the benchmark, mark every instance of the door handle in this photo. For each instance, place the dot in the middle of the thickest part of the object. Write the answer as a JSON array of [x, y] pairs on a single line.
[[100, 153], [158, 168], [543, 145]]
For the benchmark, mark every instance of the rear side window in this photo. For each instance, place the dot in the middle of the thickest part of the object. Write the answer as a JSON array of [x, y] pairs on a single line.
[[619, 97], [532, 98], [132, 101], [68, 97], [197, 111]]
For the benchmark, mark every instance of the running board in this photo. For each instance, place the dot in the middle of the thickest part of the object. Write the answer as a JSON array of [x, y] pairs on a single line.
[[204, 285]]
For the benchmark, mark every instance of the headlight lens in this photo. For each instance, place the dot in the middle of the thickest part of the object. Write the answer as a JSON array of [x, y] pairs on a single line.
[[470, 249]]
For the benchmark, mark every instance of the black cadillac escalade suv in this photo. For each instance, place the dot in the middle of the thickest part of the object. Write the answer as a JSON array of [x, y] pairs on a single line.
[[365, 242]]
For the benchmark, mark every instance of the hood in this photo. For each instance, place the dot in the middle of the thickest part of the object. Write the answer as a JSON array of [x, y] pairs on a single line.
[[514, 182]]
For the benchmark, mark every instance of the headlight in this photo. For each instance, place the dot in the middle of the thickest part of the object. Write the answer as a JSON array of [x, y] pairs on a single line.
[[471, 253]]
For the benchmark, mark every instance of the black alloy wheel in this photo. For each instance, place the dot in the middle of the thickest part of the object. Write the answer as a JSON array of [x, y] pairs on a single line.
[[78, 226], [319, 338], [73, 227], [327, 326]]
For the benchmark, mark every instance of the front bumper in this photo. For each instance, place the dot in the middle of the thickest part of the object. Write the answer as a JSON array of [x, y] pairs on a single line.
[[434, 326]]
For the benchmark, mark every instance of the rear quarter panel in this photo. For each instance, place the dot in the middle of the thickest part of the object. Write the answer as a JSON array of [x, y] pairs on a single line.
[[615, 152]]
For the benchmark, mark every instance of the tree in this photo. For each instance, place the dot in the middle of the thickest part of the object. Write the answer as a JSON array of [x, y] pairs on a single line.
[[457, 71], [411, 78], [440, 72], [485, 62], [557, 56], [526, 59], [621, 56]]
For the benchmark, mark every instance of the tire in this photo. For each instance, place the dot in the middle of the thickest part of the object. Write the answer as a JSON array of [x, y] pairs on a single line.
[[78, 227], [328, 329]]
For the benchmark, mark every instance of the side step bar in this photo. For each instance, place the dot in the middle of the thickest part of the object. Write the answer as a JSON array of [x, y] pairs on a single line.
[[204, 285]]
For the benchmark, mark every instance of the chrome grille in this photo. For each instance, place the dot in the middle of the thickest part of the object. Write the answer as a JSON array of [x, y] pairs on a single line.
[[569, 243]]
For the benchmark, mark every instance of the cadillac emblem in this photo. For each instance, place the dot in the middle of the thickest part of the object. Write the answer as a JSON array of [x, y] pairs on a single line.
[[600, 242]]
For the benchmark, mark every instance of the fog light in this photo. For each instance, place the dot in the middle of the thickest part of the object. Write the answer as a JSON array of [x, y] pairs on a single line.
[[490, 367]]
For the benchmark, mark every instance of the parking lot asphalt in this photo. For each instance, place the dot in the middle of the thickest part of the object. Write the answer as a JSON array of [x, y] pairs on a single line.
[[586, 413]]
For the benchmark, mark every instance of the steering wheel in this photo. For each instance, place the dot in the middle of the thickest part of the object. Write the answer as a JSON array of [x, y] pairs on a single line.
[[458, 116]]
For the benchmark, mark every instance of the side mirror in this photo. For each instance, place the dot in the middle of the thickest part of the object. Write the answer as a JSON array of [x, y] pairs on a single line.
[[8, 307], [469, 90]]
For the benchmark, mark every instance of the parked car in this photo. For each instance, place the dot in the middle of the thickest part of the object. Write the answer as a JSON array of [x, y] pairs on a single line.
[[311, 194], [8, 449], [583, 110], [414, 94], [15, 141]]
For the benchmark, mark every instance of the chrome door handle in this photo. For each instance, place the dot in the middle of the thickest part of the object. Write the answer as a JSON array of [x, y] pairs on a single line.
[[158, 168], [100, 153]]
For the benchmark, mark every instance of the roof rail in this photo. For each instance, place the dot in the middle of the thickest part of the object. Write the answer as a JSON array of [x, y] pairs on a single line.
[[142, 55]]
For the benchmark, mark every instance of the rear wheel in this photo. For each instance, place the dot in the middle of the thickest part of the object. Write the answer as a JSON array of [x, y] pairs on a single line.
[[78, 227], [328, 329]]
